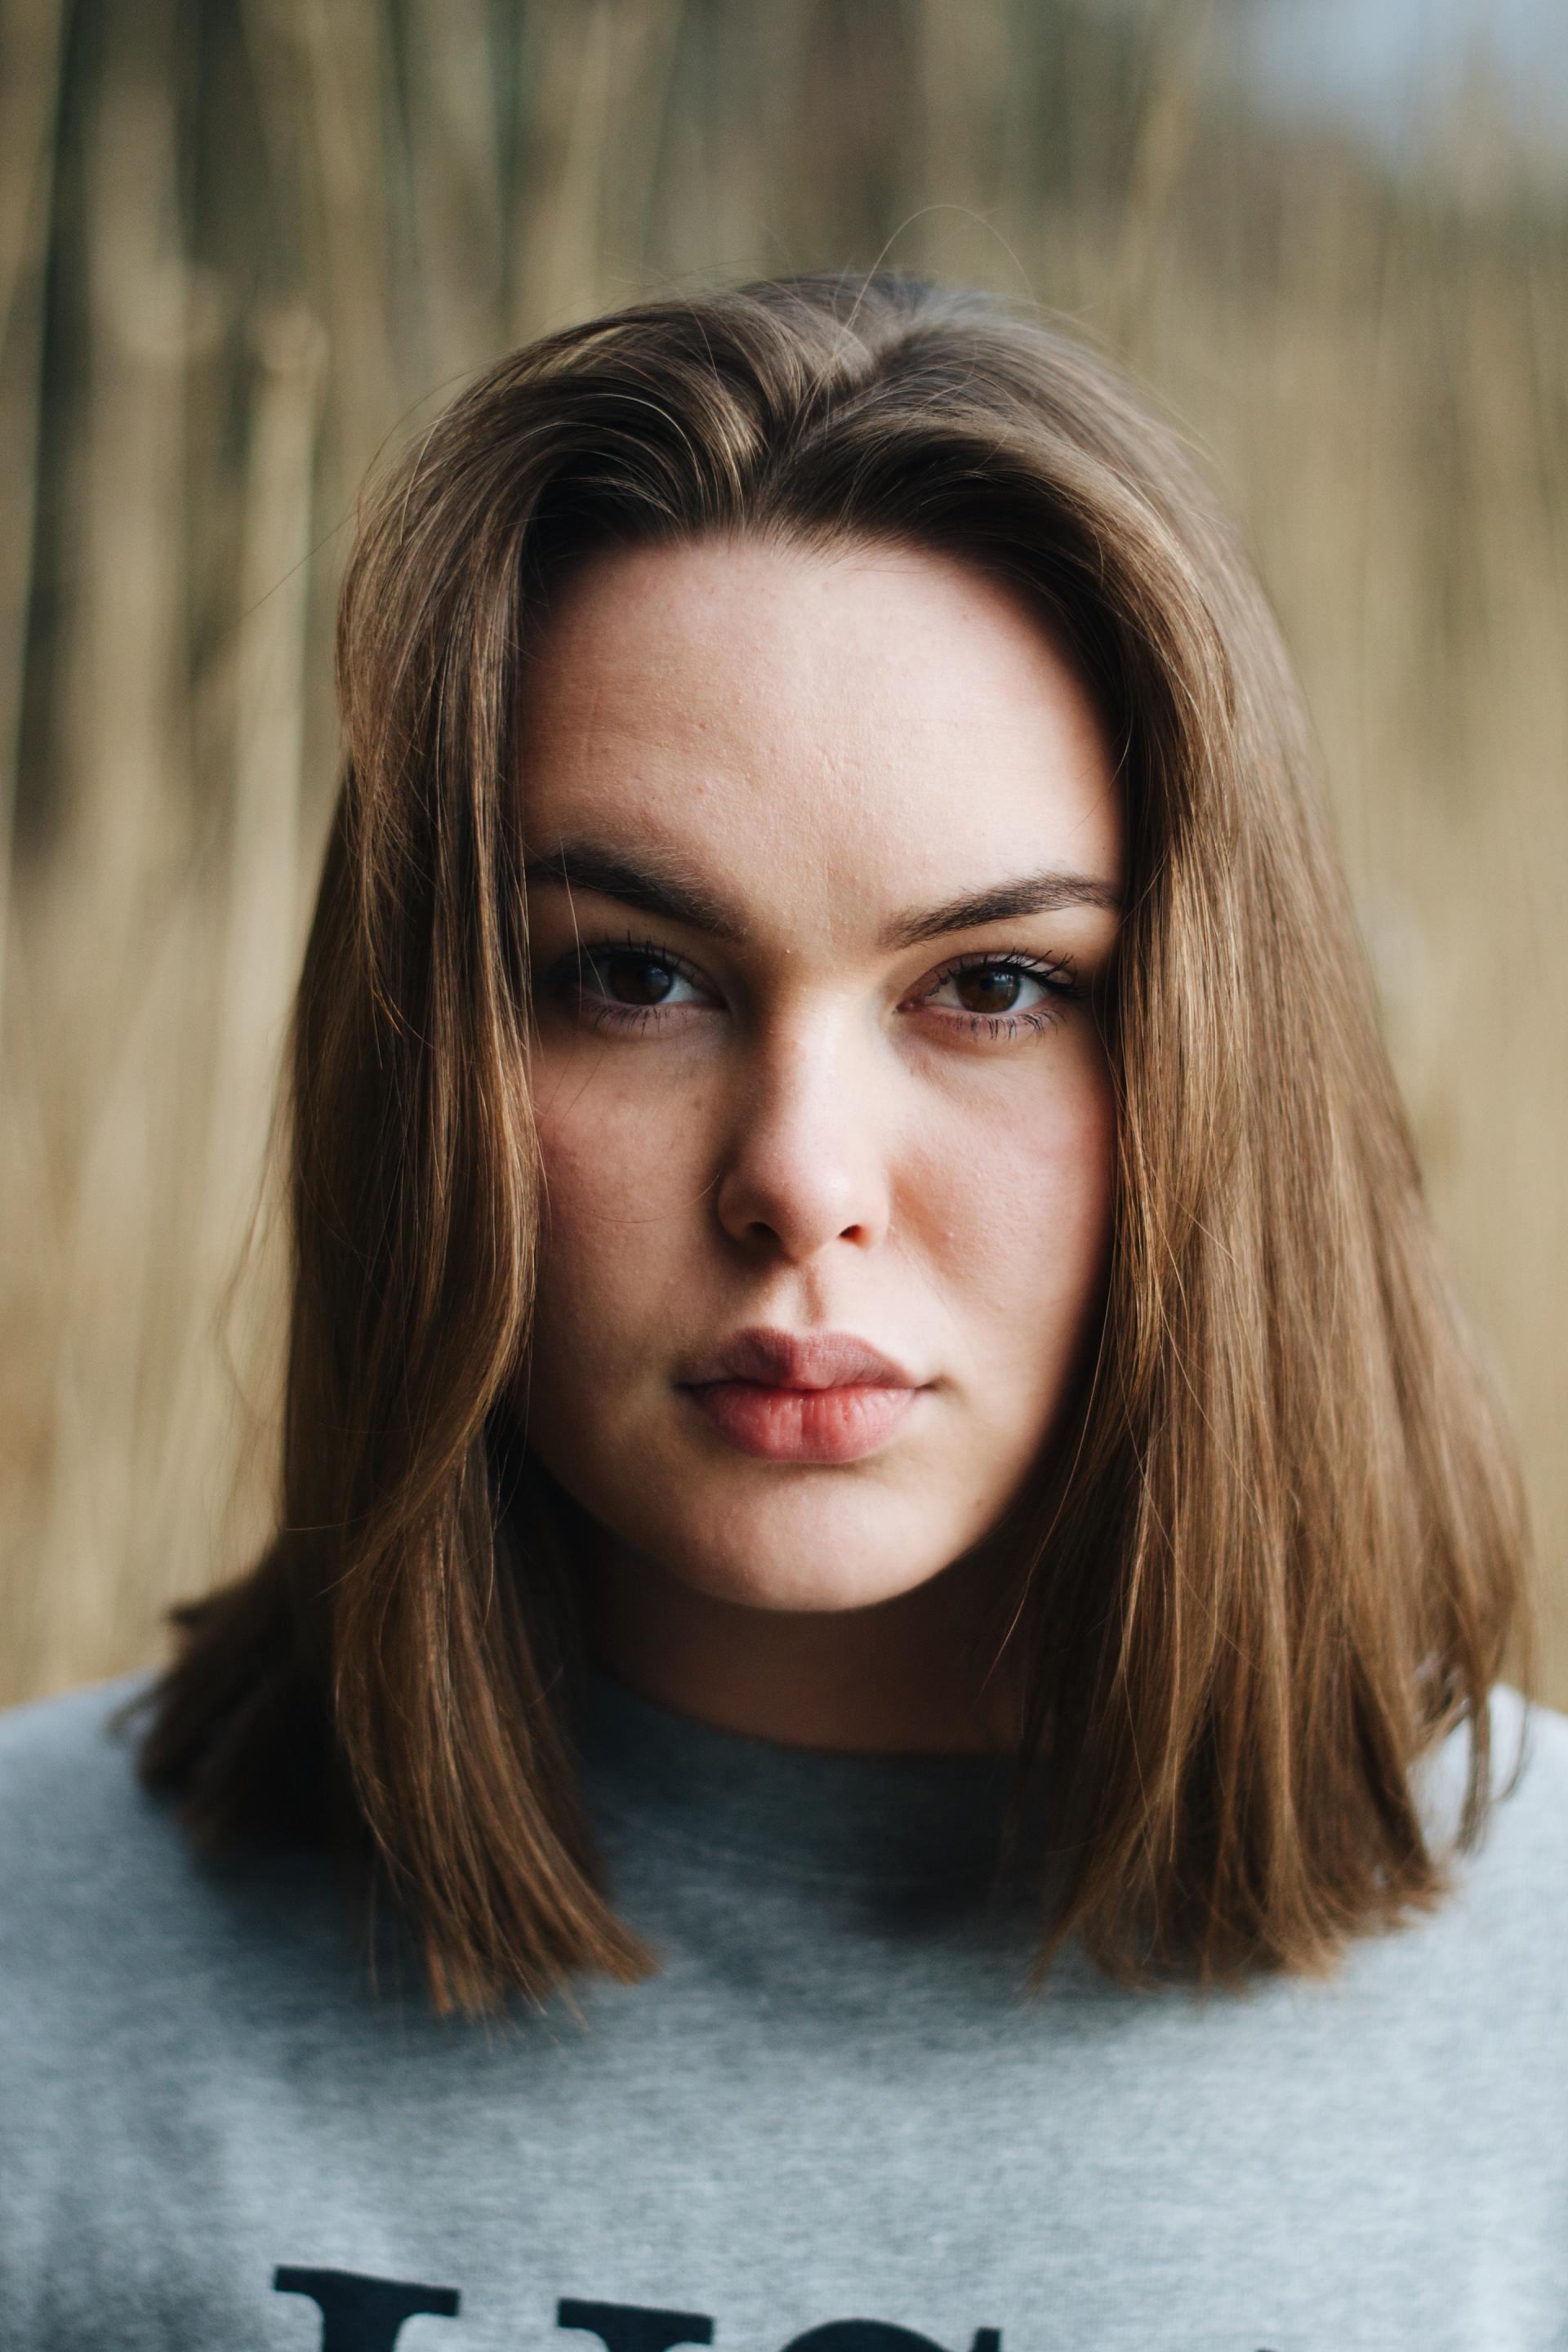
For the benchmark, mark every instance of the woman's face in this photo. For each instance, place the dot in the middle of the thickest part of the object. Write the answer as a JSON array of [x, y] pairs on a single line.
[[824, 859]]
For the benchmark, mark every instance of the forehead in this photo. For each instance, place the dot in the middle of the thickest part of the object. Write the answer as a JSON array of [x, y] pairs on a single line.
[[849, 729]]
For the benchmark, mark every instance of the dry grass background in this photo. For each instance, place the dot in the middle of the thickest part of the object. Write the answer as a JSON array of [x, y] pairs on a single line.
[[242, 242]]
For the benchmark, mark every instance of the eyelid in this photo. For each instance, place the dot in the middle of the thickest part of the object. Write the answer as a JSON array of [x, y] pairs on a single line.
[[584, 949], [1056, 972], [588, 944], [1030, 958], [1046, 967]]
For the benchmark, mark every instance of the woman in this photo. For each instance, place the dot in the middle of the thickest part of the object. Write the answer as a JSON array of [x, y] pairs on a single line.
[[891, 1562]]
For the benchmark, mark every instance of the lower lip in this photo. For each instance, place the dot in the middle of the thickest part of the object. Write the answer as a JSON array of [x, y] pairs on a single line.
[[839, 1424]]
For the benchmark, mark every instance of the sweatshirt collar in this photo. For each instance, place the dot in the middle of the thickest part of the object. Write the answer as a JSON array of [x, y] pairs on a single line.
[[651, 1771]]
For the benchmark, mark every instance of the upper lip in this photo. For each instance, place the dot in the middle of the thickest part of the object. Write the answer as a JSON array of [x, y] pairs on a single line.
[[800, 1359]]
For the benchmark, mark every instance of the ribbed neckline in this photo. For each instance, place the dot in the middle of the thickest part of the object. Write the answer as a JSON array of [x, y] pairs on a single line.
[[876, 1819]]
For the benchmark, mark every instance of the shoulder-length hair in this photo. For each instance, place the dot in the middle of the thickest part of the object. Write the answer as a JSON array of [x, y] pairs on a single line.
[[1279, 1545]]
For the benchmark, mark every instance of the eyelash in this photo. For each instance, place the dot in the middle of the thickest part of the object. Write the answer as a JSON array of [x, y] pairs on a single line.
[[1056, 975]]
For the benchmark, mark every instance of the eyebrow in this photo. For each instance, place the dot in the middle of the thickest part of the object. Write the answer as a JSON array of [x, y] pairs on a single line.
[[1033, 894], [657, 886], [652, 884]]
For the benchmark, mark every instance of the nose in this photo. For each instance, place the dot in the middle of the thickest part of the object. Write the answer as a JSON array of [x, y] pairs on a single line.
[[806, 1164]]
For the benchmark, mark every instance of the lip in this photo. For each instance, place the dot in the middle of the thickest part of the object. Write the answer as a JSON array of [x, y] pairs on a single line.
[[802, 1396], [800, 1359]]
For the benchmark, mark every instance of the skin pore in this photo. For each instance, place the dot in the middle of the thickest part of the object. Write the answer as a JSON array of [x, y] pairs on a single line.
[[824, 858]]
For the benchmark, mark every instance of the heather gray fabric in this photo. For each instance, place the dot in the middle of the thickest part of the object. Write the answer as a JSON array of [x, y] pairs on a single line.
[[831, 2123]]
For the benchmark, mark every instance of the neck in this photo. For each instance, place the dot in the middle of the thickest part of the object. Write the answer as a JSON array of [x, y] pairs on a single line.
[[916, 1674]]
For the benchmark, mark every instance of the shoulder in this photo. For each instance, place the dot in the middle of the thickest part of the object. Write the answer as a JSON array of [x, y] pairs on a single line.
[[79, 1726], [1530, 1741], [74, 1820], [110, 1912], [67, 1763], [1528, 1773], [1514, 1881], [1530, 1757]]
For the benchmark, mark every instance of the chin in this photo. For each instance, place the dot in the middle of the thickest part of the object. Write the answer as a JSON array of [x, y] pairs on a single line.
[[808, 1552], [797, 1588]]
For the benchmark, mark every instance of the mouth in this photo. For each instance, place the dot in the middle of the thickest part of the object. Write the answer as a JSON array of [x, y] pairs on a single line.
[[806, 1397]]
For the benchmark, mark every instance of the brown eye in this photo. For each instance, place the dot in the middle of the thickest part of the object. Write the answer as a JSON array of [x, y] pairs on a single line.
[[624, 983], [991, 988], [635, 978], [1001, 997]]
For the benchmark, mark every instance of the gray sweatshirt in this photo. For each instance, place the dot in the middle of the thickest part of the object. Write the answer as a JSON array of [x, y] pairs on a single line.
[[831, 2123]]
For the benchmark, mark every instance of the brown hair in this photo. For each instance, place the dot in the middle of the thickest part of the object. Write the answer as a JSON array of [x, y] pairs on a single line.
[[1279, 1551]]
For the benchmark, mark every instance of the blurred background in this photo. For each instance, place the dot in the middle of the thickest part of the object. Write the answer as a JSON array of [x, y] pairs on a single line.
[[246, 243]]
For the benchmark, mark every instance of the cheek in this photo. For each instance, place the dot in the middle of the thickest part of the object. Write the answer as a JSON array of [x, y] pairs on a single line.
[[623, 1184], [1018, 1211]]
